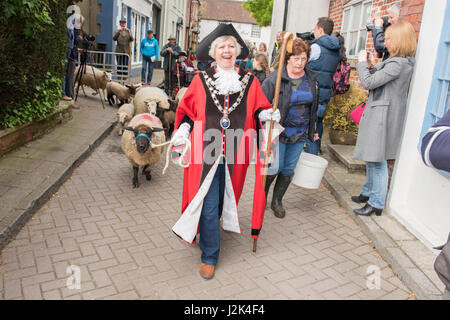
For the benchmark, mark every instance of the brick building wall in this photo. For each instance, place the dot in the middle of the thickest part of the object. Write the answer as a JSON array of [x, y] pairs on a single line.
[[410, 10]]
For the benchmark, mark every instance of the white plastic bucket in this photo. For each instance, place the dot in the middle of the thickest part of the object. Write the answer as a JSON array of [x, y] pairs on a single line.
[[309, 171]]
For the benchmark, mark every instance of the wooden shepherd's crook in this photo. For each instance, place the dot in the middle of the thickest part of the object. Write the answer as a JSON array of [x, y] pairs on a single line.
[[287, 36]]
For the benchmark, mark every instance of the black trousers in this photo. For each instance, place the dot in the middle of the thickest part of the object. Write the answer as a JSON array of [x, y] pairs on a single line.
[[173, 83], [122, 64], [70, 77]]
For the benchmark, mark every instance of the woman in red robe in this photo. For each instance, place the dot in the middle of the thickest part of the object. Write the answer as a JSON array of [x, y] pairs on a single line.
[[221, 114]]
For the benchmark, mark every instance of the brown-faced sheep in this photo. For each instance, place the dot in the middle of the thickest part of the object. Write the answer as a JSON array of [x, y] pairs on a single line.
[[122, 93], [124, 114], [143, 131], [168, 119], [102, 78]]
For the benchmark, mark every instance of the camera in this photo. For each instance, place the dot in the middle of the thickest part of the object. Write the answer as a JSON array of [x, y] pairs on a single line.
[[371, 25], [87, 42], [306, 36]]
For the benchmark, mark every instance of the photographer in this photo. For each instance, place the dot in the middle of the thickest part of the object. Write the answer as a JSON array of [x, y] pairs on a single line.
[[324, 59], [378, 29], [124, 38]]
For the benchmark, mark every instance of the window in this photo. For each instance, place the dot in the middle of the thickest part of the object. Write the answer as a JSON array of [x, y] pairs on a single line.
[[256, 31], [439, 97], [355, 17], [138, 29]]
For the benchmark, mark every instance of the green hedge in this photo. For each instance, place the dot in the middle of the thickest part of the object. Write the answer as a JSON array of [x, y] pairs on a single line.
[[33, 43]]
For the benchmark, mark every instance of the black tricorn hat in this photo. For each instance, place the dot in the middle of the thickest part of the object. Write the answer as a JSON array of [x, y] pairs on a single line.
[[221, 30]]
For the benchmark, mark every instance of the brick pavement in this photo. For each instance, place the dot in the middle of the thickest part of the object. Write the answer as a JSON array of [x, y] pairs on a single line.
[[122, 241]]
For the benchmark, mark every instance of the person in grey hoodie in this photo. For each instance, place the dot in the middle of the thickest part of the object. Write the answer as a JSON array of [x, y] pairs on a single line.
[[381, 125], [324, 59]]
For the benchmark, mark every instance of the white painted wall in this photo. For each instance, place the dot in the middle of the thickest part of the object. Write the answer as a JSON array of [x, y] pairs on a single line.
[[141, 6], [420, 197], [244, 30], [172, 10], [302, 16]]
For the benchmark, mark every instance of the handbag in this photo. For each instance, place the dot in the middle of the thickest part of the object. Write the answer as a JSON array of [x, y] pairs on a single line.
[[356, 114]]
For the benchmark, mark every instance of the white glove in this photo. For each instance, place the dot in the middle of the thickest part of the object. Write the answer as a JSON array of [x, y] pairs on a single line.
[[269, 114], [180, 136]]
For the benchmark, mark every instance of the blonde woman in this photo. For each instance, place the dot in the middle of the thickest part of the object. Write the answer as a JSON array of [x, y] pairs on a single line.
[[382, 122], [263, 49], [261, 67]]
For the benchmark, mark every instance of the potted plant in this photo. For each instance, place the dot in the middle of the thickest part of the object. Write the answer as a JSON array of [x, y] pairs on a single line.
[[342, 129]]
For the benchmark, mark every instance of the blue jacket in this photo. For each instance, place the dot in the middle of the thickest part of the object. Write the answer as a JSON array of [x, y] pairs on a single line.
[[436, 144], [326, 65], [149, 48], [378, 42]]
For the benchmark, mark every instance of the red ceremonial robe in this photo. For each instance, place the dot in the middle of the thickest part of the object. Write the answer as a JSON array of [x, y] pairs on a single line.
[[237, 143]]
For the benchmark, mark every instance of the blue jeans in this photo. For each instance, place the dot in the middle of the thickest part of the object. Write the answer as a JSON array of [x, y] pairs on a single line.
[[146, 61], [286, 158], [314, 147], [376, 183], [65, 73], [209, 218]]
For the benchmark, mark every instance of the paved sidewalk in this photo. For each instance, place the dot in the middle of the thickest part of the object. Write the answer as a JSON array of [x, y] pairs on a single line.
[[409, 257], [121, 240], [31, 174]]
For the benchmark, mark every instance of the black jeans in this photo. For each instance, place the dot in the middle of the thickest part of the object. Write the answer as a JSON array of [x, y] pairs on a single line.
[[173, 82], [70, 74], [122, 64]]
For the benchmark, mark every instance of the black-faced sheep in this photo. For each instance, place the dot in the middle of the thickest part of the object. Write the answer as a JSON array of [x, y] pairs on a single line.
[[122, 93], [124, 114], [102, 78], [143, 131]]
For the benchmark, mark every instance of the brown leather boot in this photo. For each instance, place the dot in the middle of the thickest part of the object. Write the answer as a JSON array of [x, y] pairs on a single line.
[[207, 271]]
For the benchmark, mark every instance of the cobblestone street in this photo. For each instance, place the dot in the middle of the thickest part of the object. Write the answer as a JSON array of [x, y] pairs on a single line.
[[121, 239]]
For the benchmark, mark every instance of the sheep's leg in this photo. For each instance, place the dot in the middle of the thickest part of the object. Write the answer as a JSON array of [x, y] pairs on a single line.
[[170, 131], [147, 173], [135, 177], [82, 88]]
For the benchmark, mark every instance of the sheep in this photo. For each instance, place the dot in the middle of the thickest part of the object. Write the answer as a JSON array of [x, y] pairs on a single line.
[[149, 99], [143, 131], [122, 93], [99, 82], [124, 114]]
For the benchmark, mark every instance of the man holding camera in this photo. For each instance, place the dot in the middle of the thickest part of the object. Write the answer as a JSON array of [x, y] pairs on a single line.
[[379, 28], [324, 58], [124, 38]]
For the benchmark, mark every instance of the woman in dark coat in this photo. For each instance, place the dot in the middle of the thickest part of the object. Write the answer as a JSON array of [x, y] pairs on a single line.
[[298, 107]]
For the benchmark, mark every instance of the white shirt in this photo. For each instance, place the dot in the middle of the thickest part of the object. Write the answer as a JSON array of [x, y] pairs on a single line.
[[75, 21], [69, 22], [79, 19], [315, 52]]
